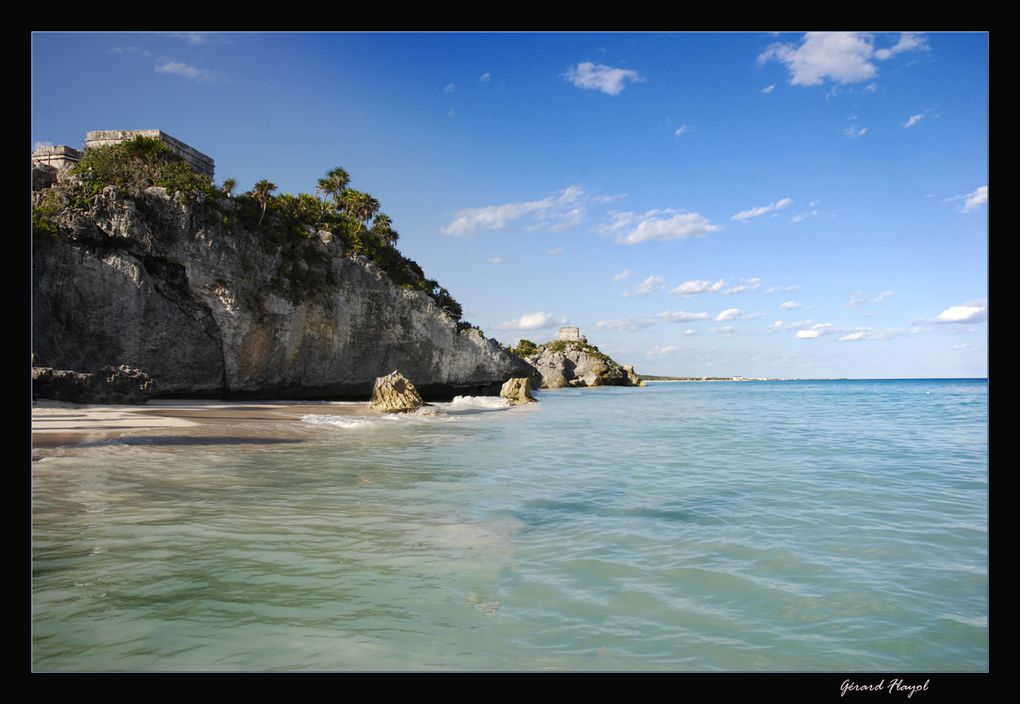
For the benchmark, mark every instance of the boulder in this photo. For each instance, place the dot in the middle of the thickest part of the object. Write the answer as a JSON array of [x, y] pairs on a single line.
[[633, 376], [109, 385], [394, 393], [517, 391]]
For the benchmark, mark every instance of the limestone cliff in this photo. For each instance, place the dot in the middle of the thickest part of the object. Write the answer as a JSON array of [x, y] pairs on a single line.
[[207, 308]]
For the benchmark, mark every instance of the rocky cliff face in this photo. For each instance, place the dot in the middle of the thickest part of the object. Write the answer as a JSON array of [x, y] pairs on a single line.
[[209, 309], [574, 363]]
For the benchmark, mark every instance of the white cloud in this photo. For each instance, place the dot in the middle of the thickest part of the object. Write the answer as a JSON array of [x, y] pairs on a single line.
[[451, 112], [630, 324], [858, 334], [776, 326], [782, 289], [661, 351], [556, 209], [39, 145], [485, 77], [909, 41], [913, 120], [690, 331], [859, 298], [754, 316], [681, 131], [663, 225], [745, 215], [200, 38], [970, 313], [638, 323], [693, 287], [130, 50], [449, 88], [810, 331], [176, 68], [789, 305], [744, 285], [840, 57], [976, 199], [964, 346], [528, 321], [646, 287], [592, 76], [800, 217], [494, 260], [621, 275], [725, 330], [556, 250], [728, 314], [853, 131], [769, 88], [680, 316]]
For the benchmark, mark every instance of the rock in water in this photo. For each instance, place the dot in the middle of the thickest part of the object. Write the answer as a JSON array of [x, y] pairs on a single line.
[[394, 393], [115, 385], [635, 379], [517, 391]]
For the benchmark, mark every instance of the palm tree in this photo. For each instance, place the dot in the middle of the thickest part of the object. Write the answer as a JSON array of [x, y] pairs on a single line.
[[333, 185], [359, 206], [228, 186], [262, 194], [382, 227]]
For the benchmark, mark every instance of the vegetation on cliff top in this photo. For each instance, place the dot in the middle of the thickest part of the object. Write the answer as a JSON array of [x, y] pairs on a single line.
[[527, 348], [282, 222], [577, 346]]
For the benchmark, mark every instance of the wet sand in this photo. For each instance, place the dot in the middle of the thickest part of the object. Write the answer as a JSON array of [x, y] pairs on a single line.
[[56, 424]]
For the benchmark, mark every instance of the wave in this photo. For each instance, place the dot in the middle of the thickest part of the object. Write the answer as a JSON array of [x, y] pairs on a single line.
[[433, 413], [476, 403]]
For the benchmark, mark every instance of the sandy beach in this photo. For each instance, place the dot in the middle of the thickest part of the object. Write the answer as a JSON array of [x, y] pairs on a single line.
[[56, 424]]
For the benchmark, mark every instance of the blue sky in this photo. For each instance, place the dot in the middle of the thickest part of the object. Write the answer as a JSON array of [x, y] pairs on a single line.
[[708, 204]]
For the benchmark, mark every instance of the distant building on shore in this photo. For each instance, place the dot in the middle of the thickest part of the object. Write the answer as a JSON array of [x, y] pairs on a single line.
[[571, 334], [62, 157]]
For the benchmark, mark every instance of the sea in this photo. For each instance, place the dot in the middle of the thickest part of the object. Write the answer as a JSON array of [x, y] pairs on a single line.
[[781, 526]]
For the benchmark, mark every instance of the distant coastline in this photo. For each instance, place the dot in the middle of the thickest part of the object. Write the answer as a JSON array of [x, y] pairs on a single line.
[[660, 379]]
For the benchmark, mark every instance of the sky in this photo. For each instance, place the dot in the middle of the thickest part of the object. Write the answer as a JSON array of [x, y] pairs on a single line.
[[708, 204]]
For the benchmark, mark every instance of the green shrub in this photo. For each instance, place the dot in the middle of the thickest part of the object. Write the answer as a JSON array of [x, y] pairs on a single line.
[[524, 348], [136, 164], [44, 214]]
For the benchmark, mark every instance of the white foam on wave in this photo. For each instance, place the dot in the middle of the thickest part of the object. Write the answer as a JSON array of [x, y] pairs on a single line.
[[345, 422], [433, 413], [476, 403]]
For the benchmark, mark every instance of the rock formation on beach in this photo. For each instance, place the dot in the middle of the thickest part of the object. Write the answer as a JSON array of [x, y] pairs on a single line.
[[394, 393], [517, 391], [239, 297]]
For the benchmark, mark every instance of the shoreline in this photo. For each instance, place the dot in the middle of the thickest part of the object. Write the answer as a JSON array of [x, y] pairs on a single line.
[[56, 424]]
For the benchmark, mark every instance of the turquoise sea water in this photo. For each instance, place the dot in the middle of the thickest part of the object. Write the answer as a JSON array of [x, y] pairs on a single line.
[[790, 526]]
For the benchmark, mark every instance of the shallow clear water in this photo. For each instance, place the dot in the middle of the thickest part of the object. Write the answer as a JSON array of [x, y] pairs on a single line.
[[836, 525]]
